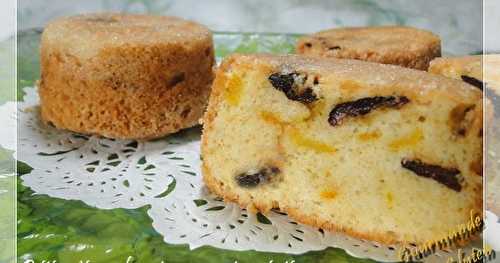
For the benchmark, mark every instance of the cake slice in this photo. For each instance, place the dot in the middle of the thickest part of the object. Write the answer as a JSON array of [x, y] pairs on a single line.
[[376, 151]]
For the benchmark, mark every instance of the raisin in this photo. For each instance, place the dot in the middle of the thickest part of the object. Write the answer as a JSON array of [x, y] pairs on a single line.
[[316, 80], [288, 84], [282, 82], [253, 179], [473, 81], [308, 44], [249, 180], [363, 106], [307, 96], [334, 48], [102, 19], [445, 176], [176, 79]]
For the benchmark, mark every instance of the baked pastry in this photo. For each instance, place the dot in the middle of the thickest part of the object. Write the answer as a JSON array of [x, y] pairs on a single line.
[[123, 75], [399, 45], [481, 71], [377, 151], [470, 70], [475, 70], [467, 68]]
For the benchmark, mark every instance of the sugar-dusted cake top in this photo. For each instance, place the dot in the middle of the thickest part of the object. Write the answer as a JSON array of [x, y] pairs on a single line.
[[84, 34], [381, 38], [368, 72]]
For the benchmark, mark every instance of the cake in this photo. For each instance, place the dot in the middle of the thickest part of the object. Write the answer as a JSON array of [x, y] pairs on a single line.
[[467, 68], [125, 76], [481, 71], [399, 45], [475, 70], [379, 152]]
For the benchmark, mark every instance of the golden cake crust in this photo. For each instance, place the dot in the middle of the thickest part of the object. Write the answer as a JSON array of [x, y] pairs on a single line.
[[455, 67], [481, 67], [422, 84], [125, 76], [398, 45]]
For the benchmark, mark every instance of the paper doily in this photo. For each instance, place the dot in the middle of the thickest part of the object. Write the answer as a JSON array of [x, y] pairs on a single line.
[[164, 174], [492, 231]]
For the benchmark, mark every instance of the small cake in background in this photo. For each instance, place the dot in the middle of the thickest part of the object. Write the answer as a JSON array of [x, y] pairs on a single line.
[[377, 151], [467, 68], [475, 70], [398, 45], [492, 72], [123, 75], [483, 72]]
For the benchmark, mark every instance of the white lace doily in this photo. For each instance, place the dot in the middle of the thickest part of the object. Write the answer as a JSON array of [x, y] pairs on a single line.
[[164, 174], [492, 231]]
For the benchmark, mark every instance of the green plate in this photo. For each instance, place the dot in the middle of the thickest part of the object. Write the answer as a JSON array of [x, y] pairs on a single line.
[[69, 231], [7, 164]]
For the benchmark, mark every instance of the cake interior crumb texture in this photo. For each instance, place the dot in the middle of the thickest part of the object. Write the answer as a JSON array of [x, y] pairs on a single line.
[[376, 151]]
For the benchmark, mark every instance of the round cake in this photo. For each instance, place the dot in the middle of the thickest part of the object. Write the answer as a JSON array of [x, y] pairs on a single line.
[[125, 76], [398, 45]]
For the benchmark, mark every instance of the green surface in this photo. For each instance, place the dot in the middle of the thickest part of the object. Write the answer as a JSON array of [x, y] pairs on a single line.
[[28, 59], [7, 57], [69, 231], [7, 183], [7, 222]]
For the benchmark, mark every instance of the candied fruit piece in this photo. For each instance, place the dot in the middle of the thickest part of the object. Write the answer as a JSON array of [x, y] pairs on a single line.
[[270, 117], [390, 199], [234, 89], [328, 194], [369, 136], [408, 141], [317, 146]]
